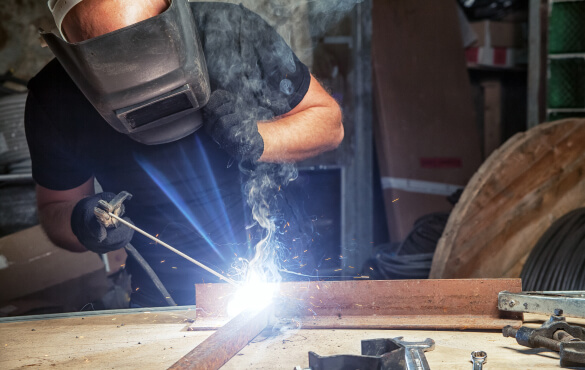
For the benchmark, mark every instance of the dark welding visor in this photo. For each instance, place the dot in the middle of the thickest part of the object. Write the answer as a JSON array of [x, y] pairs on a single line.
[[147, 80]]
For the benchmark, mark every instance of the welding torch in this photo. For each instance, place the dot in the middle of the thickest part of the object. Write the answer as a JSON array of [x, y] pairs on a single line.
[[111, 210]]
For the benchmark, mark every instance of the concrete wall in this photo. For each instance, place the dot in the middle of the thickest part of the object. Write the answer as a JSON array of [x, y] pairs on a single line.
[[20, 47]]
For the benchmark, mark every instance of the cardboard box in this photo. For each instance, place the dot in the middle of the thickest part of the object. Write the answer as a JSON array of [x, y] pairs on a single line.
[[498, 44], [30, 263], [498, 34]]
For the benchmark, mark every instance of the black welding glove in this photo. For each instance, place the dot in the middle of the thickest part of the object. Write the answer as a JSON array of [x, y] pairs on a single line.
[[235, 130], [91, 233]]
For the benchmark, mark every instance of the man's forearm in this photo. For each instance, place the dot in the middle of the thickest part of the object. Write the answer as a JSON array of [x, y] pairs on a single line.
[[55, 219], [55, 208], [313, 127], [302, 135]]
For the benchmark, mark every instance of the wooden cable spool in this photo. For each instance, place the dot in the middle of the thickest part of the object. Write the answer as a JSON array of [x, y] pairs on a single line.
[[533, 179]]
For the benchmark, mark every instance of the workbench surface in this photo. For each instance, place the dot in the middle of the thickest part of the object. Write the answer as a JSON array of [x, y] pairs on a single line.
[[157, 339]]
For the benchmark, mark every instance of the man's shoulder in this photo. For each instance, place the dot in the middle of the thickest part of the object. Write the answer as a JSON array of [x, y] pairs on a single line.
[[207, 11], [51, 77], [209, 7]]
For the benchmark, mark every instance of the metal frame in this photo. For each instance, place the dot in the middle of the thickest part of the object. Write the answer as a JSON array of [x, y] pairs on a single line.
[[357, 203], [534, 65]]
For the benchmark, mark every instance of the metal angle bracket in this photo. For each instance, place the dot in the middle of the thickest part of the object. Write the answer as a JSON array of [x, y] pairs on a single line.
[[572, 303]]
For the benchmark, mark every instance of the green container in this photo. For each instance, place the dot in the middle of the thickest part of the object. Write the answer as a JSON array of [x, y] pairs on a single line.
[[566, 83], [567, 27]]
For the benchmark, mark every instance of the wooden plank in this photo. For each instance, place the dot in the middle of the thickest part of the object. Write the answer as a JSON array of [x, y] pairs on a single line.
[[521, 189], [228, 340], [492, 116], [157, 340], [421, 112], [145, 340], [379, 303], [452, 350]]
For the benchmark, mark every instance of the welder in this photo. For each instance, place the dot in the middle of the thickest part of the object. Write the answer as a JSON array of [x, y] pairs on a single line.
[[160, 98]]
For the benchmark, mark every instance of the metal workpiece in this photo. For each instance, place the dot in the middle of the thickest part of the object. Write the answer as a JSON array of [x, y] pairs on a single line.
[[227, 341], [572, 303], [555, 334], [378, 354], [478, 358]]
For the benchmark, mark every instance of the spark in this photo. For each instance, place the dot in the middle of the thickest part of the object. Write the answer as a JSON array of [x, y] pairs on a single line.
[[395, 200], [337, 270]]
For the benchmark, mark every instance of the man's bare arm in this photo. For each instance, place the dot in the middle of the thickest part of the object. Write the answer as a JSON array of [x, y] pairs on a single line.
[[312, 127], [55, 208]]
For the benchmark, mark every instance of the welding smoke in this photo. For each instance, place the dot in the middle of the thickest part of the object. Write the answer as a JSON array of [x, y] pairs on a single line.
[[259, 99], [262, 188]]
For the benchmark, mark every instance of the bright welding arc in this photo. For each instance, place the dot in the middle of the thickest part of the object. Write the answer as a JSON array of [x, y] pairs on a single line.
[[228, 280]]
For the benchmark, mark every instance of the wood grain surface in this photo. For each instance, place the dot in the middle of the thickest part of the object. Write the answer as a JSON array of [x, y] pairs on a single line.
[[522, 188]]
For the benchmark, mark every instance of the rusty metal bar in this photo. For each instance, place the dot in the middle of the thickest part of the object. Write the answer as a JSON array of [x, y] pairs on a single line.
[[381, 304], [228, 340]]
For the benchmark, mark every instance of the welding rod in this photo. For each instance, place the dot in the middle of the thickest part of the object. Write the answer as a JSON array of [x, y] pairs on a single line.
[[228, 280]]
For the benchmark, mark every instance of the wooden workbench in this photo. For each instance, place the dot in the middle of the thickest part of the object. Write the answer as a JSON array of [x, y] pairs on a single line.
[[156, 339]]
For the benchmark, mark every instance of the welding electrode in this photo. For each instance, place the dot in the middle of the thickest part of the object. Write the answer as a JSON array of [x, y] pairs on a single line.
[[228, 280]]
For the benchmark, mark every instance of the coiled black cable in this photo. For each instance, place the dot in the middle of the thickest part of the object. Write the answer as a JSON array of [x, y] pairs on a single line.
[[557, 261], [412, 258]]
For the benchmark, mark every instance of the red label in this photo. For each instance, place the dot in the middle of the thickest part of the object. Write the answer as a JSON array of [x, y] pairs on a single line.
[[500, 56], [441, 162], [472, 55]]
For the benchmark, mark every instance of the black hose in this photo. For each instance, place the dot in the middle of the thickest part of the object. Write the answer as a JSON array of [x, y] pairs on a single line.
[[412, 258], [150, 272], [557, 261]]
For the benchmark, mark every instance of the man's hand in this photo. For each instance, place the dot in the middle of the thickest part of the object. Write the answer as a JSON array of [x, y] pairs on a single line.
[[92, 233], [234, 130]]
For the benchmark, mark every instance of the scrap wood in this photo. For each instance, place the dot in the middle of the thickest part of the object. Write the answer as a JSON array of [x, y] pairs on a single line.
[[377, 304], [228, 340]]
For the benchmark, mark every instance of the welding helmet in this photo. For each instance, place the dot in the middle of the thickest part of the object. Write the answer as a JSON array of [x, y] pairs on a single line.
[[147, 80]]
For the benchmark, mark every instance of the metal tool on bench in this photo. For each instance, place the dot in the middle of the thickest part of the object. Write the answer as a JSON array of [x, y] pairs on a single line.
[[378, 354], [478, 358], [555, 334], [571, 302]]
